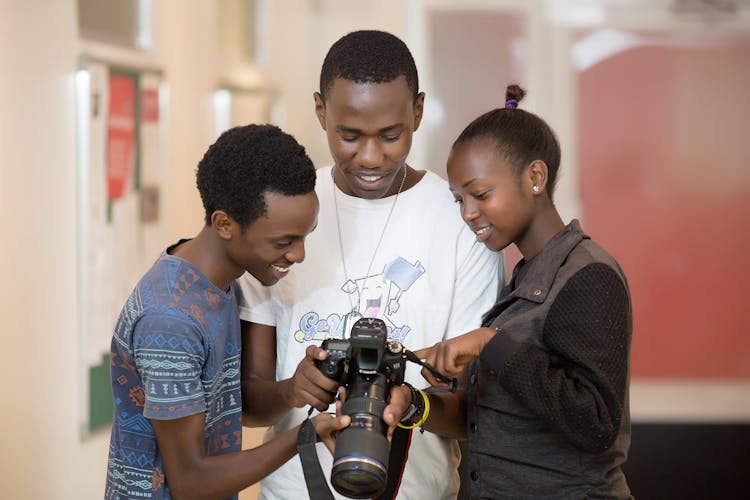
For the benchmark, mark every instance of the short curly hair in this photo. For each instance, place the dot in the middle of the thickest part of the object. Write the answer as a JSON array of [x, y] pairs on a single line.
[[368, 56], [246, 162]]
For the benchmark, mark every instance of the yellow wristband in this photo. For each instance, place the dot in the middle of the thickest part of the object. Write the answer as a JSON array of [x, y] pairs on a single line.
[[425, 414]]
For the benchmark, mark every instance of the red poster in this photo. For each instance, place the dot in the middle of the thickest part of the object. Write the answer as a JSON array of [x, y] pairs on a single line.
[[121, 134], [150, 105]]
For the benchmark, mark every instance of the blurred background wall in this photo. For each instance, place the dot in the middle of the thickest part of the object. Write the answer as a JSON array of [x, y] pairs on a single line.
[[649, 99]]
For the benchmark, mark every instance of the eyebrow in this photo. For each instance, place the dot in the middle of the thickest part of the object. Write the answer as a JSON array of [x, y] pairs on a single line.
[[384, 130], [471, 181], [294, 236]]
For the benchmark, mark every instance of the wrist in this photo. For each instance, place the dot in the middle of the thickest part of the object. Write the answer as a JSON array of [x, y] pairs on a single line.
[[412, 408], [286, 391], [489, 333], [421, 402]]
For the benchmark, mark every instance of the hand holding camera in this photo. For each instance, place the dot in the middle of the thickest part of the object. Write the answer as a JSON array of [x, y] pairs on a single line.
[[327, 426], [371, 368], [309, 386], [367, 365]]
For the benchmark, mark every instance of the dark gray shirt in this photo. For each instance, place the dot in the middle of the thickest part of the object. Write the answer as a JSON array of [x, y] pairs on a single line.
[[548, 397]]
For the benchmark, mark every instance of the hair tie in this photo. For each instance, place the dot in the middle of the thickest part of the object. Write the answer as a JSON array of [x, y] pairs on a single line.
[[511, 104]]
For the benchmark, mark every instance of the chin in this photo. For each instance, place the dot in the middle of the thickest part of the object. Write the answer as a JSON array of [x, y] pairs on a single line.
[[265, 279], [494, 246], [269, 281]]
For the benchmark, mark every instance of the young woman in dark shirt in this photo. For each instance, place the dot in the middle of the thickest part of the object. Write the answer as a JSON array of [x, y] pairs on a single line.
[[545, 405]]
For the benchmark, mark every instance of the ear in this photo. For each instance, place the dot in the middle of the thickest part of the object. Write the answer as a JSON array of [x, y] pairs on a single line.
[[418, 110], [536, 173], [320, 109], [223, 224]]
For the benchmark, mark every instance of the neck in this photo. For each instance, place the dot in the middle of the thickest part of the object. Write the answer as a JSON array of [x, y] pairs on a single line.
[[544, 226], [206, 252]]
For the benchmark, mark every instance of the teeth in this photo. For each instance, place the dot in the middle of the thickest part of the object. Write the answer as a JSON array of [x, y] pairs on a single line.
[[370, 178], [280, 269], [482, 231]]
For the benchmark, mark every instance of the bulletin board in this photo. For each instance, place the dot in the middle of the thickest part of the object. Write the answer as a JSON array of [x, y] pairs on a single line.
[[121, 155]]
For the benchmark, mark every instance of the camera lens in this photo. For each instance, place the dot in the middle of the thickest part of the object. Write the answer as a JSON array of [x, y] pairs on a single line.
[[360, 460]]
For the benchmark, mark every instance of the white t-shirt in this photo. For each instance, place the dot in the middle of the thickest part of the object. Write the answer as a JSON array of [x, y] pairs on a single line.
[[428, 280]]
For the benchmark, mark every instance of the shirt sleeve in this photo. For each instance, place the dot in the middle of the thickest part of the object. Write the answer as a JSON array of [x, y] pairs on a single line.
[[578, 381], [479, 274], [169, 355], [255, 301]]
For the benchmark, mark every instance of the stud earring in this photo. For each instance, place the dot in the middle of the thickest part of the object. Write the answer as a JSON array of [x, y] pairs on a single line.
[[536, 189]]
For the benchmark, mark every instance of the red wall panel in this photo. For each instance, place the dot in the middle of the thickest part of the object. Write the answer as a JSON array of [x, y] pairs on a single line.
[[665, 185]]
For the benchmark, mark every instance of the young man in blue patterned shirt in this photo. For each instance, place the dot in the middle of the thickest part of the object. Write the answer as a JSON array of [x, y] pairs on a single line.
[[175, 360]]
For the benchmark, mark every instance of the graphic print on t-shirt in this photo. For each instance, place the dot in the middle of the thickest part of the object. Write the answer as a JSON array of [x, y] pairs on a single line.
[[374, 296]]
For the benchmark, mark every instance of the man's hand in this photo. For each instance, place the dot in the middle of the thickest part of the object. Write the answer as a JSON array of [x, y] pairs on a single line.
[[399, 402], [328, 427], [450, 357], [308, 385]]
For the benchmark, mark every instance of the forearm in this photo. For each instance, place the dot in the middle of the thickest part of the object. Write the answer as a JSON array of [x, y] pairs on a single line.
[[447, 415], [222, 476], [263, 401]]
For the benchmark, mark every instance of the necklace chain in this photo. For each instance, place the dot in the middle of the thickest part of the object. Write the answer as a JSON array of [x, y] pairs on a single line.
[[382, 233]]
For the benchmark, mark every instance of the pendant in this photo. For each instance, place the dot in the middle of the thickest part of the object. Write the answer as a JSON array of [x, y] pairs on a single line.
[[349, 320]]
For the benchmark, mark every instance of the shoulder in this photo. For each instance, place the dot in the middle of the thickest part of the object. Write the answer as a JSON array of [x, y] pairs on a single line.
[[323, 180], [432, 194], [596, 291], [167, 281], [589, 253], [174, 289], [432, 181]]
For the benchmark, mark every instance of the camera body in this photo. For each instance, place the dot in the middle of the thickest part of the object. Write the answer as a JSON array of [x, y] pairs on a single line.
[[367, 352], [368, 365]]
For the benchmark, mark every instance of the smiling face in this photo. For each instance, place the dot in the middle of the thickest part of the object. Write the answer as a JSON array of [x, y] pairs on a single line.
[[270, 244], [496, 203], [369, 128]]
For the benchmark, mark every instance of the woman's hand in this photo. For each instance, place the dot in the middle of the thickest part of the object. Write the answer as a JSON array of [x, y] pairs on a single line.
[[450, 357]]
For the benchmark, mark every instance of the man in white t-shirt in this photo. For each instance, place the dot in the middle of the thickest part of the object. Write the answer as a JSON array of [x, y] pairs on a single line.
[[390, 244]]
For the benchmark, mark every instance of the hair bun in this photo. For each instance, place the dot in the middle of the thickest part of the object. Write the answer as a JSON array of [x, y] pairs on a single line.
[[513, 95]]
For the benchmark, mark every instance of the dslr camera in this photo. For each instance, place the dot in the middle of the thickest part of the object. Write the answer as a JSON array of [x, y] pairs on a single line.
[[368, 365]]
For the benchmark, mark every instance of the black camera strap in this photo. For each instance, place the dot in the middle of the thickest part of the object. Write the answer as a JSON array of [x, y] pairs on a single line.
[[452, 382], [400, 442], [317, 486]]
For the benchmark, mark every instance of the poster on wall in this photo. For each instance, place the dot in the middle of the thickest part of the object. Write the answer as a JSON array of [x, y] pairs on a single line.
[[121, 144]]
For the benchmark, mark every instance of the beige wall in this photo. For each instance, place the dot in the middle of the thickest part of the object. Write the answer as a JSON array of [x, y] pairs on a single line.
[[44, 457]]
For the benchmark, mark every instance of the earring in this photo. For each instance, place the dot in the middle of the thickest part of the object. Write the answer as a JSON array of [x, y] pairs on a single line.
[[536, 189]]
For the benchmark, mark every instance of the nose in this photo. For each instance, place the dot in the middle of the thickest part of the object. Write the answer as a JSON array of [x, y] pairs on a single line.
[[296, 253], [469, 211], [369, 153]]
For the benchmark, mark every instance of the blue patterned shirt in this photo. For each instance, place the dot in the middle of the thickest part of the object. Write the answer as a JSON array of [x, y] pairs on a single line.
[[175, 353]]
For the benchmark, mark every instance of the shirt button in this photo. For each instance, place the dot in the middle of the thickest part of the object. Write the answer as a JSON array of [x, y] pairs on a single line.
[[473, 427], [492, 373], [473, 379], [474, 475]]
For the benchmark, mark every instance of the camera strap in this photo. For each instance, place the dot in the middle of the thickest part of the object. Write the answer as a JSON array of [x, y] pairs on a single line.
[[451, 382], [400, 443], [317, 486]]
